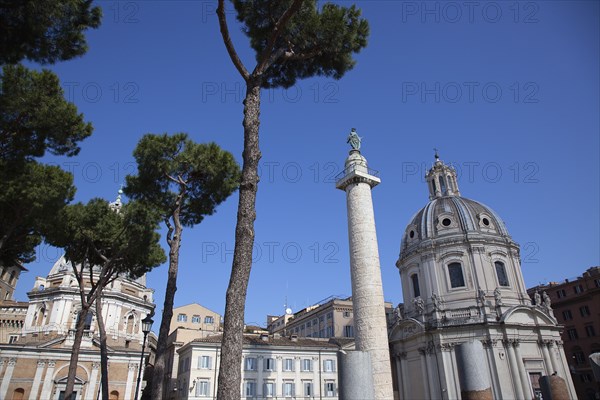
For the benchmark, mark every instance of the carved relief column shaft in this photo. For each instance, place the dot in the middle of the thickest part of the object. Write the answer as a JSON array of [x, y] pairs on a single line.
[[514, 370], [35, 386]]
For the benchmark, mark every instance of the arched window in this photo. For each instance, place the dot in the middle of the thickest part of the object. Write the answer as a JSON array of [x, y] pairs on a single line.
[[415, 283], [18, 394], [40, 317], [443, 185], [457, 278], [501, 273], [130, 321]]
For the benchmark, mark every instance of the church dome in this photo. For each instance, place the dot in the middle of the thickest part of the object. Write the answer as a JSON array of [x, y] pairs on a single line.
[[448, 213]]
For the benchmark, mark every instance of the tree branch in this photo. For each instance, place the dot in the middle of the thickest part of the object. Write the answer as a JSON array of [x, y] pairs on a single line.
[[265, 56], [228, 43]]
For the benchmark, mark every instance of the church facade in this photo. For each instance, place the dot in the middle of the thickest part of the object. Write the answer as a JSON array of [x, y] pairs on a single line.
[[469, 329], [35, 364]]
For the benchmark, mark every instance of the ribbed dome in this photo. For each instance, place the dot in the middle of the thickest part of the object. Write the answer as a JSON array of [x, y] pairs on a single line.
[[450, 215]]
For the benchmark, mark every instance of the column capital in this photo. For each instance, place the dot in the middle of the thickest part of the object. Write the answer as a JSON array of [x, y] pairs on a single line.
[[446, 346]]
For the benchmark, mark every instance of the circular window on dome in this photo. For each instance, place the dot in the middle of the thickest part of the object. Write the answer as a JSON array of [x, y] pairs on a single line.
[[446, 222], [411, 234], [486, 221]]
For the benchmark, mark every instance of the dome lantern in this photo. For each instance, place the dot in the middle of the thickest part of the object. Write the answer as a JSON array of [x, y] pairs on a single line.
[[441, 179]]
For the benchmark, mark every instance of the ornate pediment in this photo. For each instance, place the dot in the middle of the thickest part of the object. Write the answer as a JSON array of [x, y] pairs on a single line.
[[405, 329]]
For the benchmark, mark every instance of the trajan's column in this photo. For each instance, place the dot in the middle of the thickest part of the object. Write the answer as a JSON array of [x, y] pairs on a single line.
[[367, 292]]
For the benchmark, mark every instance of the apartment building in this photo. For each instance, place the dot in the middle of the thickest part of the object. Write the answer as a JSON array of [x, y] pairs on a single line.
[[331, 317], [274, 367], [576, 304]]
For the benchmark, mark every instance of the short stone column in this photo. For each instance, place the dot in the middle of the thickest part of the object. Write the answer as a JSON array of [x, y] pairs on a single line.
[[473, 371], [554, 388], [355, 377], [595, 363]]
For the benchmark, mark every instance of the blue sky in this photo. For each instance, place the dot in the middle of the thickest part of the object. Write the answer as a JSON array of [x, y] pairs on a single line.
[[507, 91]]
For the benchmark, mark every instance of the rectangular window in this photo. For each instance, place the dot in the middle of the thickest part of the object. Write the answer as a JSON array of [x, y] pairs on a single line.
[[329, 389], [61, 395], [250, 364], [578, 289], [322, 319], [329, 315], [307, 364], [204, 362], [329, 331], [181, 318], [561, 293], [329, 365], [288, 364], [347, 314], [584, 311], [269, 364], [209, 320], [567, 316], [269, 389], [288, 389], [456, 275], [308, 324], [349, 331], [250, 388], [13, 338], [572, 333], [195, 319], [308, 389], [589, 330], [597, 282], [501, 274], [203, 388], [415, 283], [579, 358]]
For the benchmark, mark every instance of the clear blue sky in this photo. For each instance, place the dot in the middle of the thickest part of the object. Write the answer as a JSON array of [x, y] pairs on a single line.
[[507, 91]]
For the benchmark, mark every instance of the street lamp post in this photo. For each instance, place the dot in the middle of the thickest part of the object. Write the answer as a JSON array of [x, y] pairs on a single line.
[[146, 327]]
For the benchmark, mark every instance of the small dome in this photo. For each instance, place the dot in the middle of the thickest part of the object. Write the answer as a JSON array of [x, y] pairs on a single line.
[[450, 215]]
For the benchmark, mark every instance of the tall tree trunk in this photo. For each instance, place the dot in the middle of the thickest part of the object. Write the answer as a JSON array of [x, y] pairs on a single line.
[[161, 345], [231, 350], [79, 328], [103, 350]]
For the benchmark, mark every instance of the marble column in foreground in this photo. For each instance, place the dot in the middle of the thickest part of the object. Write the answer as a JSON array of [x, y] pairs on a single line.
[[370, 326]]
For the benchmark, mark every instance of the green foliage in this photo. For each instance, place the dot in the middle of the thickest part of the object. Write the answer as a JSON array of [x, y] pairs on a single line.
[[314, 42], [170, 165], [35, 117], [29, 204], [121, 242], [45, 31]]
